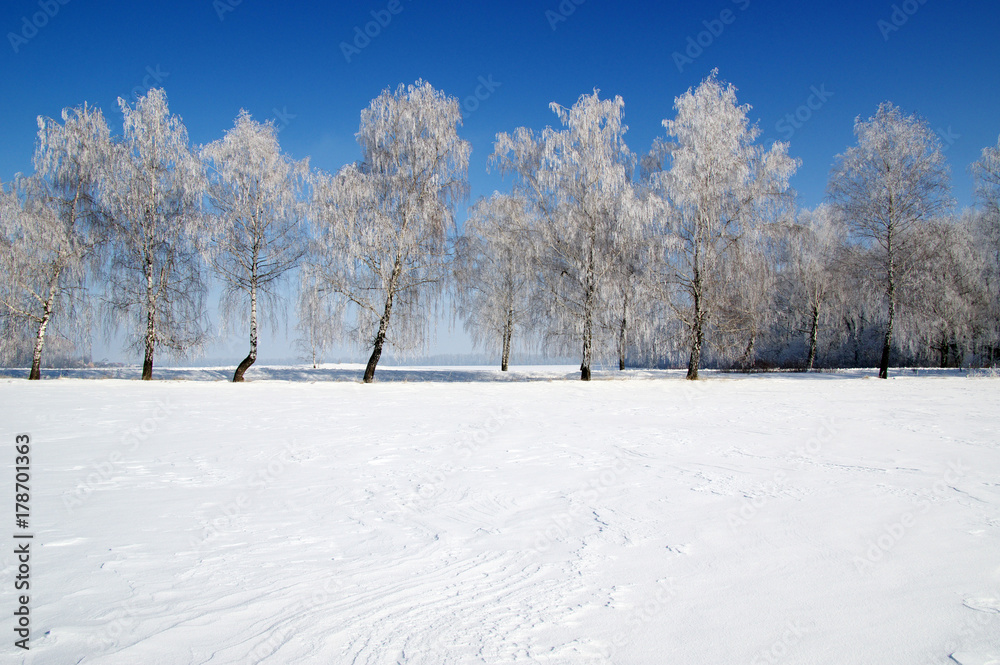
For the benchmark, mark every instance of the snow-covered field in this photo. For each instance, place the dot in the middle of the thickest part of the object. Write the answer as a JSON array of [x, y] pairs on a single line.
[[445, 516]]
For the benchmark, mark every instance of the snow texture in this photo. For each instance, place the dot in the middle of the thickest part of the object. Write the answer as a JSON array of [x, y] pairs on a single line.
[[457, 516]]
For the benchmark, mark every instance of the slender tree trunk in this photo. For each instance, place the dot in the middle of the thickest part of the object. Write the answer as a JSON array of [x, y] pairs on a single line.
[[856, 332], [623, 336], [695, 358], [813, 334], [36, 357], [508, 332], [588, 318], [383, 324], [883, 367], [749, 354], [698, 332], [379, 341], [252, 356], [147, 362]]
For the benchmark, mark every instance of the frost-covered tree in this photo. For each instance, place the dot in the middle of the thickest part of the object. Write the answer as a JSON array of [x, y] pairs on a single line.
[[255, 234], [945, 294], [811, 277], [382, 224], [580, 179], [155, 286], [51, 227], [987, 231], [625, 318], [987, 175], [747, 306], [494, 271], [717, 181], [894, 179], [318, 326]]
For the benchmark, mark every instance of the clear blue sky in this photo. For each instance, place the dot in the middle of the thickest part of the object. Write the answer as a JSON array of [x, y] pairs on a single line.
[[287, 60]]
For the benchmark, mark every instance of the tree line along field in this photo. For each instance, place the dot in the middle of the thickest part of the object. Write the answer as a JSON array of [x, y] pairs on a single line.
[[691, 253]]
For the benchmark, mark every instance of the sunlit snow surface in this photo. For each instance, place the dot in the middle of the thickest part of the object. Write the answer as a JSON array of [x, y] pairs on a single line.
[[460, 516]]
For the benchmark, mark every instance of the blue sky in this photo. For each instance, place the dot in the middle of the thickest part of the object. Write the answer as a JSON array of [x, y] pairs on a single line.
[[287, 62]]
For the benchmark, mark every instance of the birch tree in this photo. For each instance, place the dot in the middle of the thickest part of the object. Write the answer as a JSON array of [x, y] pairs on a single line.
[[747, 306], [945, 296], [893, 180], [382, 224], [51, 226], [580, 178], [816, 241], [986, 172], [155, 285], [716, 179], [494, 272], [256, 235], [317, 324], [628, 319]]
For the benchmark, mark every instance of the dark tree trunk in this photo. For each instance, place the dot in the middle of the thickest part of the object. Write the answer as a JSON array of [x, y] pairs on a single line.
[[383, 324], [698, 333], [35, 373], [508, 332], [883, 366], [252, 356], [147, 364], [588, 318], [749, 354], [698, 330], [36, 357], [379, 341], [890, 292], [695, 358], [147, 361], [623, 336], [813, 334]]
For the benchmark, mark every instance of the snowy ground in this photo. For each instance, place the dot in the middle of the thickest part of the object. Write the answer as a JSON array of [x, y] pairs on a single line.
[[823, 518]]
